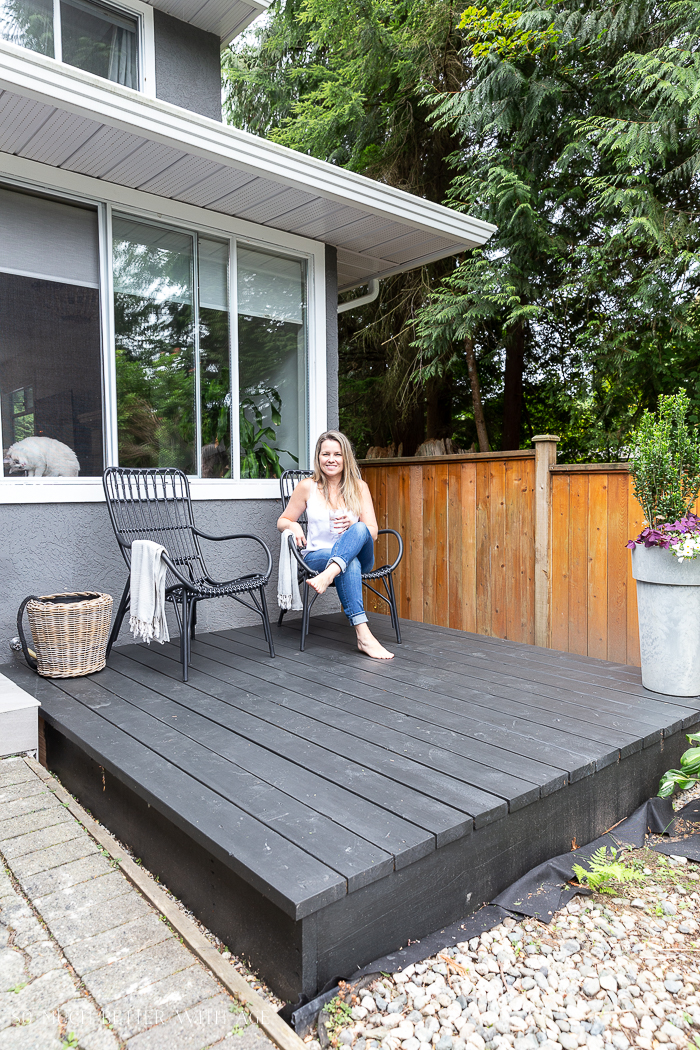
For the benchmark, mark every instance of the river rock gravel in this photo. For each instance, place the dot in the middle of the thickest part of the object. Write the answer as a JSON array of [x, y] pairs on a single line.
[[608, 973]]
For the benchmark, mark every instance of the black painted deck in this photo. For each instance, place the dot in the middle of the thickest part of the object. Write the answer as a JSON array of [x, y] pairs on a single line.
[[318, 809]]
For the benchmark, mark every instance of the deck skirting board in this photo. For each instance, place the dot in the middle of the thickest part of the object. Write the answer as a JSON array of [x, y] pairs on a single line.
[[438, 889], [462, 876]]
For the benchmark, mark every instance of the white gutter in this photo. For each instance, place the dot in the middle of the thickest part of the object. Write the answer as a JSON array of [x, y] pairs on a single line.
[[361, 300], [93, 98]]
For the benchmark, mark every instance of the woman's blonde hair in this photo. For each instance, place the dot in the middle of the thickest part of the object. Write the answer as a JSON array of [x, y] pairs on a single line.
[[350, 490]]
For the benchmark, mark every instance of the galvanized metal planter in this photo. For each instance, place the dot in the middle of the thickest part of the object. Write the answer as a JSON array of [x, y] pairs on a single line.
[[668, 602]]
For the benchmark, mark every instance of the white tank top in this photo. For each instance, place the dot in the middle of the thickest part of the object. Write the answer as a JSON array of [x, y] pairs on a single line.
[[320, 534]]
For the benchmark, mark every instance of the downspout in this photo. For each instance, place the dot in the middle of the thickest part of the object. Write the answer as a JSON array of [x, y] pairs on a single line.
[[363, 299]]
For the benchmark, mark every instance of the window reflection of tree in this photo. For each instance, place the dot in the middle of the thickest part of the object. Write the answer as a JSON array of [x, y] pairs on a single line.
[[155, 383], [28, 23], [265, 347], [215, 385], [154, 349], [156, 360]]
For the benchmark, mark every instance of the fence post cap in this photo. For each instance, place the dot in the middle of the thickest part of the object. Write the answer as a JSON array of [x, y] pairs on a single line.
[[545, 437]]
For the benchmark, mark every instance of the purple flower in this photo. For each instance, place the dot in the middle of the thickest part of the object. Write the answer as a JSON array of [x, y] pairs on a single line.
[[665, 534]]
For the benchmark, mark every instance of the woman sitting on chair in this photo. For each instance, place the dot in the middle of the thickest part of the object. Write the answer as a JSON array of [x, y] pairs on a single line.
[[342, 528]]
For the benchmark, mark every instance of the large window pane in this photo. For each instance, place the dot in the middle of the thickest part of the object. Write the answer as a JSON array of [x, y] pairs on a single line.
[[272, 362], [154, 328], [50, 349], [28, 23], [214, 358], [100, 41], [50, 374]]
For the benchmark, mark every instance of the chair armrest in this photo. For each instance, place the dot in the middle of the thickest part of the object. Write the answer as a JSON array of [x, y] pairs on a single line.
[[175, 571], [240, 536], [300, 561], [126, 546], [393, 532], [233, 536]]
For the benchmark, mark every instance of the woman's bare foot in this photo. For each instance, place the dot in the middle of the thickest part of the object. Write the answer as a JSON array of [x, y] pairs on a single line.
[[322, 582], [368, 644]]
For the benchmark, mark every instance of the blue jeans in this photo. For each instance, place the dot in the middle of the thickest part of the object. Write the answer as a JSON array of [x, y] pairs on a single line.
[[353, 551]]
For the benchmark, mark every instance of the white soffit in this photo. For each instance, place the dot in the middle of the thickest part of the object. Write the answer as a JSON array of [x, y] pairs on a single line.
[[226, 18], [68, 119]]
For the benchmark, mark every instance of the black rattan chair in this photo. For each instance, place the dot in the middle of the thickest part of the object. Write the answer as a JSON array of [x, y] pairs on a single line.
[[154, 504], [288, 483]]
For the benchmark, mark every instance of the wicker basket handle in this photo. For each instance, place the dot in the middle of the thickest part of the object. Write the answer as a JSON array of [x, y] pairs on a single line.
[[20, 614]]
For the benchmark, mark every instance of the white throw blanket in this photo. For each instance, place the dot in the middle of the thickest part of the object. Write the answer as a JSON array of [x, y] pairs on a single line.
[[147, 618], [288, 596]]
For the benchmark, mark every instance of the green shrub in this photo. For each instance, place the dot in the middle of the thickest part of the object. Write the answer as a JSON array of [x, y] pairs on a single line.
[[665, 462]]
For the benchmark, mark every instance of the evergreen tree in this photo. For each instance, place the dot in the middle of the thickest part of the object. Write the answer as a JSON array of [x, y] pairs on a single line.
[[575, 140], [572, 127]]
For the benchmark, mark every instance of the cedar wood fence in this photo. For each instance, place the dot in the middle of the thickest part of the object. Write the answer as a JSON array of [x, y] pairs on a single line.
[[513, 545]]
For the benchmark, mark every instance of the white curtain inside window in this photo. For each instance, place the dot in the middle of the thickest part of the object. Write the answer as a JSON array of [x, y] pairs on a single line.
[[122, 57], [42, 238], [270, 286]]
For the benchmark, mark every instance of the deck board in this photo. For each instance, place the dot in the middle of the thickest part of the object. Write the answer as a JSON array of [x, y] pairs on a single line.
[[309, 720], [513, 743], [331, 792], [452, 729], [467, 678], [249, 722], [643, 706], [357, 860], [470, 765], [473, 697]]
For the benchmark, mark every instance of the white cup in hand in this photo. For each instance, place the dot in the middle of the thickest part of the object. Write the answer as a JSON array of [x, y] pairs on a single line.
[[337, 524]]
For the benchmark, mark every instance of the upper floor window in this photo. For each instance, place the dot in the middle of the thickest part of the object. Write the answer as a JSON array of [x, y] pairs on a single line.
[[98, 38]]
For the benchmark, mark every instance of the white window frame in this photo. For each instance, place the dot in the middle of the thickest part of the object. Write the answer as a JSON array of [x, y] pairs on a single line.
[[22, 174], [146, 39], [147, 42]]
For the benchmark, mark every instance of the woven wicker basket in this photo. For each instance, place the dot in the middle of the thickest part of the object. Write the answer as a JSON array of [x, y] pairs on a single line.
[[70, 632]]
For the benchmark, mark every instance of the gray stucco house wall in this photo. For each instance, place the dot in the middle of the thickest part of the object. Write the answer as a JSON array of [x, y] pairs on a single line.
[[188, 66], [52, 548], [71, 547]]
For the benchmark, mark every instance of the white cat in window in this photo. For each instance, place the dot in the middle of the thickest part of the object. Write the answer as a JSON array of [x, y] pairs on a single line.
[[41, 457]]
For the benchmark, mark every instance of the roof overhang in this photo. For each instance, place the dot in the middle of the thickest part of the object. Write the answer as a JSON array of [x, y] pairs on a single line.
[[65, 118], [225, 18]]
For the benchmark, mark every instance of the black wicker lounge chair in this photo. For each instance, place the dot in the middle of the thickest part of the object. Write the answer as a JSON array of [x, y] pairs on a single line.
[[154, 504]]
